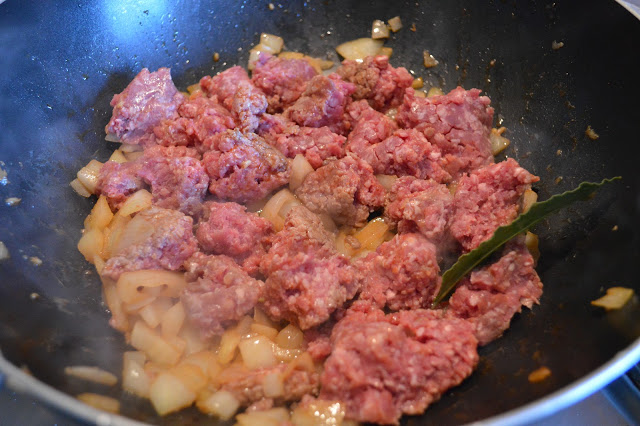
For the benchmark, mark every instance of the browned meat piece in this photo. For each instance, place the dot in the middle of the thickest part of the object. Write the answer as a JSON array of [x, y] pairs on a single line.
[[306, 279], [227, 228], [382, 367], [376, 81], [218, 293], [282, 80], [345, 189], [458, 124], [402, 273], [323, 103], [421, 206], [167, 247], [224, 85], [150, 98], [248, 105], [487, 199], [243, 167], [494, 294]]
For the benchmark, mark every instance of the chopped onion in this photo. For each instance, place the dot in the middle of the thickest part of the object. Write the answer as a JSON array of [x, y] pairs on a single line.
[[395, 24], [318, 412], [259, 317], [529, 198], [110, 137], [138, 201], [386, 51], [118, 157], [360, 48], [88, 175], [498, 142], [101, 402], [168, 394], [300, 168], [132, 285], [531, 241], [91, 244], [128, 148], [136, 231], [80, 188], [615, 298], [119, 319], [92, 374], [221, 404], [272, 42], [428, 59], [290, 337], [539, 375], [191, 375], [173, 320], [434, 91], [272, 211], [192, 339], [379, 30], [372, 235], [113, 233], [418, 83], [257, 352], [387, 181], [273, 385], [228, 344], [271, 417], [263, 330], [100, 215], [286, 355], [153, 312], [134, 378], [207, 361], [149, 341]]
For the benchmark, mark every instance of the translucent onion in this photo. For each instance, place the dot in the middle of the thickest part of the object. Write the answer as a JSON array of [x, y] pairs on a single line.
[[615, 298], [379, 30], [88, 175], [270, 417], [290, 337], [257, 352], [395, 24], [221, 404], [100, 402], [92, 374], [118, 157], [155, 347], [138, 201], [134, 378], [80, 189], [300, 168], [360, 48], [168, 394]]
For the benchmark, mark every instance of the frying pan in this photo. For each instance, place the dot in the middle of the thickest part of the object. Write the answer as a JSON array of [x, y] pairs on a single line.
[[62, 61]]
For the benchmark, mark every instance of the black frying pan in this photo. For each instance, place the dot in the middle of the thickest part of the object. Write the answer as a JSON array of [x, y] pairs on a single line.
[[62, 61]]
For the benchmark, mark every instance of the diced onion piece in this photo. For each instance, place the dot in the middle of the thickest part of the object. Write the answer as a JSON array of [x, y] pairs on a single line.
[[291, 55], [539, 375], [191, 337], [129, 147], [386, 51], [153, 312], [101, 402], [113, 233], [92, 374], [317, 413], [254, 55], [136, 231], [326, 64], [300, 168], [221, 404], [387, 181], [434, 91], [194, 88], [132, 156], [428, 60], [420, 94], [207, 361], [138, 201], [498, 142], [395, 24], [149, 341], [191, 375], [88, 175], [118, 157], [228, 344], [173, 320], [360, 48], [615, 298], [344, 241], [110, 137], [273, 385], [259, 317], [290, 337], [271, 417], [372, 235], [119, 319], [379, 30], [80, 188], [272, 210], [531, 241], [100, 215], [591, 134], [263, 330], [134, 378], [273, 42], [99, 263], [257, 352], [418, 83], [529, 198], [301, 362], [131, 285], [168, 394], [286, 355], [91, 244]]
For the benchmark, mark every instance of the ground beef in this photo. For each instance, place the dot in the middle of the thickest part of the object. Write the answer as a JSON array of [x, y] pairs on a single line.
[[167, 247], [116, 181], [306, 279], [422, 206], [345, 189], [249, 103], [316, 144], [282, 80], [200, 118], [224, 85], [401, 274], [171, 152], [494, 294], [486, 199], [247, 385], [458, 124], [323, 103], [370, 127], [150, 98], [382, 367], [227, 228], [243, 167], [376, 81], [318, 341], [178, 183], [218, 293]]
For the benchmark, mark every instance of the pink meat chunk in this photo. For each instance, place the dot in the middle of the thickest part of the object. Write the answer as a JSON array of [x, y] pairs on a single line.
[[323, 103], [382, 367], [199, 119], [458, 124], [218, 293], [345, 189], [370, 127], [376, 81], [494, 294], [487, 199], [150, 98], [227, 228], [281, 80], [306, 279], [248, 105], [117, 181], [170, 243], [423, 206], [224, 85], [243, 167], [402, 273], [316, 144]]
